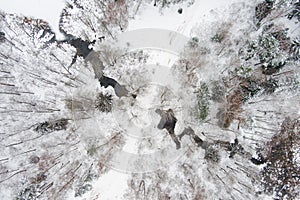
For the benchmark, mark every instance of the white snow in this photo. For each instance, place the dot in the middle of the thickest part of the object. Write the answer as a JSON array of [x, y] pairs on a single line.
[[170, 19], [48, 10], [162, 35]]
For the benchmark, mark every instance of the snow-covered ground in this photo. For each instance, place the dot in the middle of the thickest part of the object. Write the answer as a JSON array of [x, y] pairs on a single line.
[[170, 19], [48, 10], [151, 17], [162, 34]]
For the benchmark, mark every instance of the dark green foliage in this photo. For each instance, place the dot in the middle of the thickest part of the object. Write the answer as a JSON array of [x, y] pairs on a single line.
[[282, 37], [270, 50], [251, 87], [83, 189], [243, 71], [29, 193], [267, 47], [269, 86], [263, 9], [295, 50], [50, 126], [212, 153], [246, 88], [281, 34], [203, 102], [103, 102], [92, 150], [272, 68], [218, 38]]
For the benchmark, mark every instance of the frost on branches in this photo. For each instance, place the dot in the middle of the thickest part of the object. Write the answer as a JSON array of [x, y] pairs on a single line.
[[95, 19], [238, 76], [44, 152]]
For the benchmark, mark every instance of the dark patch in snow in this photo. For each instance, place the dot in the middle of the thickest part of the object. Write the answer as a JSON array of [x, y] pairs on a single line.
[[295, 13], [120, 90], [212, 153], [259, 160], [263, 9], [82, 47], [2, 36], [234, 148], [272, 69], [168, 122], [50, 126], [106, 81], [180, 10], [190, 132], [34, 159], [104, 102]]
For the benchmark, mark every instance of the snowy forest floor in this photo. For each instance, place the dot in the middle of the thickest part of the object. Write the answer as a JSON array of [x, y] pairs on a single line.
[[209, 106]]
